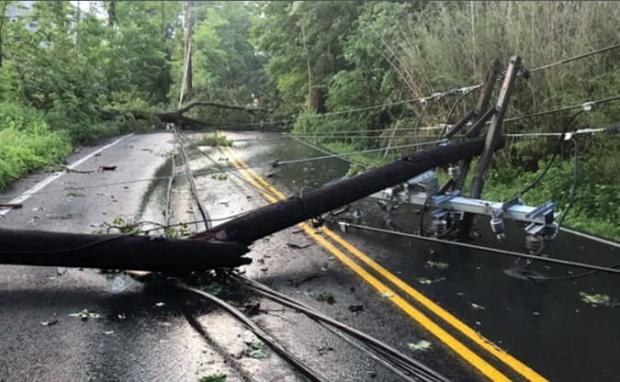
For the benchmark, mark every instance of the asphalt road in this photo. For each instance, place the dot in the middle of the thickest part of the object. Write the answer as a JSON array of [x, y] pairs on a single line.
[[480, 321]]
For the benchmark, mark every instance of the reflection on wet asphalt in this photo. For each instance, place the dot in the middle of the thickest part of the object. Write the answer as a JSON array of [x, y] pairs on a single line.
[[563, 330]]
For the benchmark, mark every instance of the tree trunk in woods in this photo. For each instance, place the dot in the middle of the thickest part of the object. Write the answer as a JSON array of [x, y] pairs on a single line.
[[316, 100], [308, 67], [112, 13]]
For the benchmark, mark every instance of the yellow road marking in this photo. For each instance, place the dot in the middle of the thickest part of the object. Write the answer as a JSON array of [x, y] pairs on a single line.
[[508, 359], [517, 365], [467, 354]]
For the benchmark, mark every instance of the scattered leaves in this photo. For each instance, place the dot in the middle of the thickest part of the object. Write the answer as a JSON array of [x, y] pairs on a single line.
[[49, 323], [256, 349], [326, 297], [356, 308], [421, 345], [595, 299], [84, 315], [215, 140], [220, 176], [297, 246], [436, 264], [213, 378], [427, 281]]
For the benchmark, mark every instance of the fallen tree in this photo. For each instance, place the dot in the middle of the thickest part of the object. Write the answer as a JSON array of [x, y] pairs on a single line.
[[179, 117]]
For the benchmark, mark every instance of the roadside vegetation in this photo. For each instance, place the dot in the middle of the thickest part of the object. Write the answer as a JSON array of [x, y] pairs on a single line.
[[217, 139], [350, 55], [71, 76]]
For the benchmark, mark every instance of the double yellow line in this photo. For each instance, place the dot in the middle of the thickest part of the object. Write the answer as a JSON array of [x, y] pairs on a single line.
[[273, 195]]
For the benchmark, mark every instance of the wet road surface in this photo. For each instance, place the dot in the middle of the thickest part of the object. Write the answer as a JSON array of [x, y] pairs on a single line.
[[544, 328]]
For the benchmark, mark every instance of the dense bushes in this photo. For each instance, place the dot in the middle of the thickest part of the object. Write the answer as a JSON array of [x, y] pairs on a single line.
[[402, 50], [26, 142]]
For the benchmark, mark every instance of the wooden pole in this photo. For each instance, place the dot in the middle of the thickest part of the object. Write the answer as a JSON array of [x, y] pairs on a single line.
[[117, 251], [481, 114], [494, 134], [275, 217], [495, 130]]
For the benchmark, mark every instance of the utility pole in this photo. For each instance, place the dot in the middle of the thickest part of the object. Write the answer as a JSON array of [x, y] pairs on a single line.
[[224, 245], [186, 95], [496, 129], [275, 217], [494, 134]]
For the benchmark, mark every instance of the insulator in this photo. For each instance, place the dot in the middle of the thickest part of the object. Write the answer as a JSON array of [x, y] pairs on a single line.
[[358, 215], [534, 243], [498, 227], [439, 226], [454, 172]]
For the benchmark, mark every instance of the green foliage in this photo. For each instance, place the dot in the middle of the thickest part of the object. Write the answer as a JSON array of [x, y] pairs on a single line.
[[225, 65], [216, 139], [213, 378], [596, 208], [62, 66], [26, 142], [304, 41]]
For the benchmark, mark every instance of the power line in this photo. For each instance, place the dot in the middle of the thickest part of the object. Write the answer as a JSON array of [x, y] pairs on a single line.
[[574, 58], [276, 346], [393, 356], [586, 106], [488, 249], [301, 160], [190, 179], [440, 95]]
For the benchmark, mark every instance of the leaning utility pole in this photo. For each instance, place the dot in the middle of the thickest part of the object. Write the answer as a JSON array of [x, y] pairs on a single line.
[[223, 246], [278, 216]]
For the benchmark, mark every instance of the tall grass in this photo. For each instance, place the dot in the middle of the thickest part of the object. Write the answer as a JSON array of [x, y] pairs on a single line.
[[450, 44]]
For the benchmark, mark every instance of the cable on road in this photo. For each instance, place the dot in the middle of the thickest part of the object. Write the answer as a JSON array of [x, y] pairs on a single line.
[[418, 369], [404, 375], [227, 170], [600, 268], [169, 188], [293, 360], [190, 179]]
